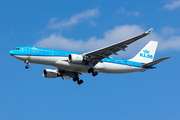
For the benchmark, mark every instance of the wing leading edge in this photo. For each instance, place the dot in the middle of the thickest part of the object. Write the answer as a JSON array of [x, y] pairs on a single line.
[[99, 54]]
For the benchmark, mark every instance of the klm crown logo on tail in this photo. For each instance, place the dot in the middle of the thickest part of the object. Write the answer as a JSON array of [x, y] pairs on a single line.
[[146, 54]]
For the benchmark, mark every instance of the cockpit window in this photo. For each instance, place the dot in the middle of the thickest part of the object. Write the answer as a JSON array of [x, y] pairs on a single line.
[[16, 48]]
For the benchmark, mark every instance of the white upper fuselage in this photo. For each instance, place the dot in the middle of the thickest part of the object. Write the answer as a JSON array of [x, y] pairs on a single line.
[[59, 59]]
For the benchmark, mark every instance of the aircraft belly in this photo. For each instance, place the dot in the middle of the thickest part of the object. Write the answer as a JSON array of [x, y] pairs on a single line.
[[119, 68], [71, 66], [62, 63], [22, 57], [46, 60]]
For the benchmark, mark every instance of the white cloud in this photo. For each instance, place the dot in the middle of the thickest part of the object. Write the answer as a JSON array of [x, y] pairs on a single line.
[[123, 11], [59, 42], [55, 24], [173, 5], [167, 31], [92, 23], [171, 43], [118, 33], [136, 13]]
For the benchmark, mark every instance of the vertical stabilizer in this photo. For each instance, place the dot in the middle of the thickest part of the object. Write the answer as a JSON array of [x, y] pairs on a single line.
[[146, 55]]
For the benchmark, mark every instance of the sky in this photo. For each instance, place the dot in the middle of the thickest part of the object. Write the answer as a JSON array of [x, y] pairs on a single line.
[[83, 26]]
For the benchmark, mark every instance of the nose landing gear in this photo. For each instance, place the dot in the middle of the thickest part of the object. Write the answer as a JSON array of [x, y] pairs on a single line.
[[27, 66]]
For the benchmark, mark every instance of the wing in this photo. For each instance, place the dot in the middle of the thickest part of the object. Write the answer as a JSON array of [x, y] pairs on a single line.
[[97, 55], [64, 74]]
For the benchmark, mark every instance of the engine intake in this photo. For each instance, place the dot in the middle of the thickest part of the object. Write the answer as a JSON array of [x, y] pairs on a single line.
[[74, 58], [50, 73]]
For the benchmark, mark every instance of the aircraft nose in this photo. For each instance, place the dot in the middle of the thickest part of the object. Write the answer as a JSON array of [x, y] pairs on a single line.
[[11, 52]]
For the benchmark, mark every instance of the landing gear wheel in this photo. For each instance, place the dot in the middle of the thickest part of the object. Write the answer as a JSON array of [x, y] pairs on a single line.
[[75, 79], [79, 82], [94, 73], [90, 70], [27, 66]]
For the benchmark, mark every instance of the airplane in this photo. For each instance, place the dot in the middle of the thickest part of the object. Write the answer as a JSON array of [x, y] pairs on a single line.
[[72, 65]]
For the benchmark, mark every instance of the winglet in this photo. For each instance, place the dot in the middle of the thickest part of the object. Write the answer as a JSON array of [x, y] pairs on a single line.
[[149, 31]]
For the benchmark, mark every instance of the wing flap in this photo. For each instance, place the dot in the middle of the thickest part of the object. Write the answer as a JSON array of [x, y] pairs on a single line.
[[65, 73]]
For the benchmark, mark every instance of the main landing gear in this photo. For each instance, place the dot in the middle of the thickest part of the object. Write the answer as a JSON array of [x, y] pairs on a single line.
[[91, 70], [27, 66], [79, 82]]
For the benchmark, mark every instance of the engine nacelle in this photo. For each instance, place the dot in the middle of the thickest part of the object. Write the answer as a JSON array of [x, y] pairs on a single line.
[[74, 58], [50, 73]]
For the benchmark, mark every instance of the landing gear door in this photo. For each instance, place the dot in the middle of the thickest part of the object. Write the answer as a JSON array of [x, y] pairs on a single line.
[[27, 50]]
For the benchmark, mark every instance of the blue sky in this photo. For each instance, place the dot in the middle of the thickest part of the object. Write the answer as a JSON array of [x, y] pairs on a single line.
[[83, 26]]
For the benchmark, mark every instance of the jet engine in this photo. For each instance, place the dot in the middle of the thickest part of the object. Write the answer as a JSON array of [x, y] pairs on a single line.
[[50, 73], [74, 58]]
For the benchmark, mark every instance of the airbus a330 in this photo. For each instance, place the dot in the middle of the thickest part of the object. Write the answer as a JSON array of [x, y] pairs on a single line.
[[72, 65]]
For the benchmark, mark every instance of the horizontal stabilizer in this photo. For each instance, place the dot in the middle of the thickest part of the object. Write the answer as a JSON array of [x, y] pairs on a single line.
[[154, 62]]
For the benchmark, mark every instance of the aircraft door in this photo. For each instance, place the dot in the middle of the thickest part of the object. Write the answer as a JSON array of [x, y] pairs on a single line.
[[130, 64], [51, 52], [125, 63], [27, 50]]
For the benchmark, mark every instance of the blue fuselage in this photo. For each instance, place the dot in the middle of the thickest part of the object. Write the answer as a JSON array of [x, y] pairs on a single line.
[[58, 58]]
